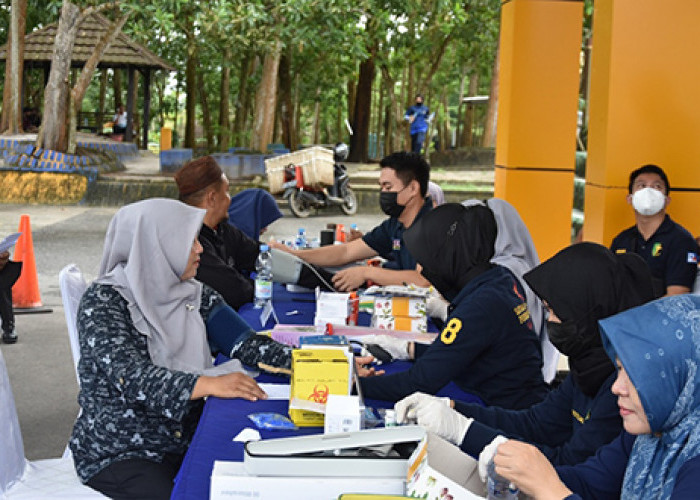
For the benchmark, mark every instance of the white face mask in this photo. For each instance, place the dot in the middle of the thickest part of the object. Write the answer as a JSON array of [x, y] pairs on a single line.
[[648, 201]]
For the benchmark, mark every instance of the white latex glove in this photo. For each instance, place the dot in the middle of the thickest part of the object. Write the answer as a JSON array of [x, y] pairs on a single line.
[[487, 454], [435, 415], [398, 348], [436, 307]]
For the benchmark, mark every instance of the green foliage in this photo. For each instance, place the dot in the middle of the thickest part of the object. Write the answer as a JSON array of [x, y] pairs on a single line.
[[325, 41]]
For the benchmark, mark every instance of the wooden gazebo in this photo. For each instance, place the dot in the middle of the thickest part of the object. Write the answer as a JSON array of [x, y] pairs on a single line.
[[123, 53]]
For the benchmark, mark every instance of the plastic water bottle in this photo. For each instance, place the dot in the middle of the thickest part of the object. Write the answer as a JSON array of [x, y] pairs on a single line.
[[301, 238], [498, 487], [263, 279]]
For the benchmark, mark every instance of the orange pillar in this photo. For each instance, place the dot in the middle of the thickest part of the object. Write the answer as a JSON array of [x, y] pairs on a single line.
[[644, 108], [537, 103]]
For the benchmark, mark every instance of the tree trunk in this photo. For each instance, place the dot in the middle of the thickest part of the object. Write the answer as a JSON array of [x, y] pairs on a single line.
[[80, 88], [363, 105], [266, 100], [489, 139], [117, 86], [224, 92], [190, 81], [11, 121], [102, 97], [241, 106], [206, 115], [289, 136], [317, 117], [445, 138], [352, 96], [468, 133], [53, 133]]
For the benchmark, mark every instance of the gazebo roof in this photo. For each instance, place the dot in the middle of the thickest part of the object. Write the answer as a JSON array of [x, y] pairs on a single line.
[[122, 53]]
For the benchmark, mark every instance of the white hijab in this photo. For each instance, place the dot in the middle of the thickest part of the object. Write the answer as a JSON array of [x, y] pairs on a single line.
[[146, 250], [515, 250]]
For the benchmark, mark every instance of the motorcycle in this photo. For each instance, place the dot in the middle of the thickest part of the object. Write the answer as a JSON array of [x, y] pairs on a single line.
[[302, 198]]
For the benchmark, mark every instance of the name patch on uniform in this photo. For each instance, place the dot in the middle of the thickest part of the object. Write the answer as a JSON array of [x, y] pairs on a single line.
[[692, 258], [656, 249], [397, 244], [621, 250]]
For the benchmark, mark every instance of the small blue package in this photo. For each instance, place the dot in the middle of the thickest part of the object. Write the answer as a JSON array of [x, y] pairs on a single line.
[[271, 421]]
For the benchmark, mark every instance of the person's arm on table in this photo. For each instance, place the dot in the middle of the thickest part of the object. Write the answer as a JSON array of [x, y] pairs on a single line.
[[354, 277], [332, 255], [231, 385], [436, 364]]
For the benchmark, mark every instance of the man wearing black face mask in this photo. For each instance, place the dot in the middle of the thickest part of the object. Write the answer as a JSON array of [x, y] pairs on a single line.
[[403, 181]]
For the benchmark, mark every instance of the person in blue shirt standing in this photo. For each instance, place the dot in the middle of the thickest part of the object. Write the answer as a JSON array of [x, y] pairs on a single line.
[[417, 116]]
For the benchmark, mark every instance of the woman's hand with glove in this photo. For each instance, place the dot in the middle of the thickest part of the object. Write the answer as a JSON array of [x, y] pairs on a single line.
[[435, 414]]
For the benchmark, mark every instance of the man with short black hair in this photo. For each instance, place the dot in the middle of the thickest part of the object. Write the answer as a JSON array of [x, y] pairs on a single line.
[[668, 248], [403, 181]]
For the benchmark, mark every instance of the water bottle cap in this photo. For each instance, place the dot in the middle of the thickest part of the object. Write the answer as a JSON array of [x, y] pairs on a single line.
[[264, 248]]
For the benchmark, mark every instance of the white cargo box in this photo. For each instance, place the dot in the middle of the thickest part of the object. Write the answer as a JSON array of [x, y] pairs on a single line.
[[316, 164]]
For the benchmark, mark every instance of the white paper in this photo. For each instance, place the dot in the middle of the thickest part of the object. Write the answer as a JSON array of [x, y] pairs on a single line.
[[246, 435], [9, 242], [276, 391]]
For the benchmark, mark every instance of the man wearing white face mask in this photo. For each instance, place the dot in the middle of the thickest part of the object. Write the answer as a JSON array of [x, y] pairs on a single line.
[[668, 248]]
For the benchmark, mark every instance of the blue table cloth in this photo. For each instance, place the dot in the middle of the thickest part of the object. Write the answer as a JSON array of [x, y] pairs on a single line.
[[223, 419]]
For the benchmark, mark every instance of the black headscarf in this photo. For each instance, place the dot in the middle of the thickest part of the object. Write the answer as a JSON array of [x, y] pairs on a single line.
[[453, 244], [582, 284]]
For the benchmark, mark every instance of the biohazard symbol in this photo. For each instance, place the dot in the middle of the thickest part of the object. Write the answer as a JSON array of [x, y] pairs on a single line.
[[320, 394]]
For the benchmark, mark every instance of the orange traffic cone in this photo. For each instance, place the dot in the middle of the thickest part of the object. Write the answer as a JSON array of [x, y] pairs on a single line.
[[25, 292]]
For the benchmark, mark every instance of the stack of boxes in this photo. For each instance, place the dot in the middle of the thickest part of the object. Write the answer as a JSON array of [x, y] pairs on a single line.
[[400, 313]]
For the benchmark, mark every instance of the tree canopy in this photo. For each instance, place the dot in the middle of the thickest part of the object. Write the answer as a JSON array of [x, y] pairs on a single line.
[[360, 61]]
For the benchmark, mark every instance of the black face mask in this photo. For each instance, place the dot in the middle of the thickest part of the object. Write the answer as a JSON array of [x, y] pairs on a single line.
[[569, 338], [389, 205], [419, 103]]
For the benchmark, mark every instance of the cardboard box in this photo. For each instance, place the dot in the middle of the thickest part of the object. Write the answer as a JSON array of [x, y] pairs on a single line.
[[438, 468], [229, 480], [342, 414], [400, 306], [404, 323], [316, 373]]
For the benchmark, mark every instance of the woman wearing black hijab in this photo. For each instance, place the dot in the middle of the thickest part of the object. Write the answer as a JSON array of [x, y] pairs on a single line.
[[488, 347], [580, 285]]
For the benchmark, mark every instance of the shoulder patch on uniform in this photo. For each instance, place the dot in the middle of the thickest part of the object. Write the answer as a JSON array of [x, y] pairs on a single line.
[[692, 258]]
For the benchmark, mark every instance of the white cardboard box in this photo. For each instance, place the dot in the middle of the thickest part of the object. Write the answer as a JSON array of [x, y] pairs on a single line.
[[438, 468], [342, 414], [229, 480]]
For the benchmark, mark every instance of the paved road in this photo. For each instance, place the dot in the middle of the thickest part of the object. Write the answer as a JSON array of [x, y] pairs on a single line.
[[40, 364]]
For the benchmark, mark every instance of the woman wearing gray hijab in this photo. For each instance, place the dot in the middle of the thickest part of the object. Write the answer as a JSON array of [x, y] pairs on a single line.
[[145, 362]]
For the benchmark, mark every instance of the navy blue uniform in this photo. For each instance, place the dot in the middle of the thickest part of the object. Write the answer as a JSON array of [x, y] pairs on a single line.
[[671, 252], [568, 426], [387, 240], [488, 348], [601, 476]]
